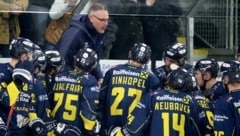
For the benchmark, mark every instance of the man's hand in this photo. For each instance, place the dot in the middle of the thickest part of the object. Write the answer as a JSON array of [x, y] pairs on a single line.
[[97, 127], [150, 2], [71, 3], [16, 8]]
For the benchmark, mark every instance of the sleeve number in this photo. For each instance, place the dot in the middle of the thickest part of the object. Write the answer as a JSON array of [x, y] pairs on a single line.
[[209, 115], [70, 110], [178, 123], [218, 133], [119, 93]]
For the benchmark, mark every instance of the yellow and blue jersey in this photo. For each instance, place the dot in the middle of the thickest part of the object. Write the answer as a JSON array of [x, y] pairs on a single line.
[[227, 115], [75, 99], [41, 101], [164, 113], [123, 87], [17, 107], [219, 91], [206, 126]]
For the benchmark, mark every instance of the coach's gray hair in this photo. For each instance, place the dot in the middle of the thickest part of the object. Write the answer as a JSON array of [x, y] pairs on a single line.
[[97, 6]]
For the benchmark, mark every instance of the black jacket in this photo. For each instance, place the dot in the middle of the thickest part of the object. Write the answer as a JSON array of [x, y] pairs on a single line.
[[79, 34]]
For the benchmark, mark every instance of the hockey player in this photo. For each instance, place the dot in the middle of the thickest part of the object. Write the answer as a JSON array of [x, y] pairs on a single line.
[[204, 105], [48, 65], [166, 112], [206, 72], [17, 98], [20, 49], [124, 85], [174, 55], [227, 116], [76, 93]]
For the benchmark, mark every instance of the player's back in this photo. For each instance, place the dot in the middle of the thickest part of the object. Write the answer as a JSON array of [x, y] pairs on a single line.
[[207, 107], [67, 95], [123, 87], [227, 116], [173, 114]]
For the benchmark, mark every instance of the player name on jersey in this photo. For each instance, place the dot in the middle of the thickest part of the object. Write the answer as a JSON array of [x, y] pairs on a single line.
[[173, 106], [67, 87], [127, 80], [167, 102]]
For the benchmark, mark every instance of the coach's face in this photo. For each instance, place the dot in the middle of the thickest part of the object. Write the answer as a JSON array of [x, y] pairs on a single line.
[[99, 20]]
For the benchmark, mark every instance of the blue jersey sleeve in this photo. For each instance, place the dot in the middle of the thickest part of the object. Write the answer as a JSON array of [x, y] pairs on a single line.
[[154, 82], [42, 104], [90, 103], [225, 117], [140, 117]]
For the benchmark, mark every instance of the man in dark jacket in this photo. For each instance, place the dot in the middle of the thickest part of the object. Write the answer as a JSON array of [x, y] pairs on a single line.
[[84, 30], [39, 20]]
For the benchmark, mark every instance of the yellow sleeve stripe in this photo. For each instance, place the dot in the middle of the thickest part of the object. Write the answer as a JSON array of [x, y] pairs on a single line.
[[88, 124], [119, 133], [13, 93], [32, 115]]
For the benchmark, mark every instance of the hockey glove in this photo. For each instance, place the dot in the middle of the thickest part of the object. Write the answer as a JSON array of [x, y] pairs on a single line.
[[97, 127], [38, 127], [3, 128], [114, 131], [67, 130]]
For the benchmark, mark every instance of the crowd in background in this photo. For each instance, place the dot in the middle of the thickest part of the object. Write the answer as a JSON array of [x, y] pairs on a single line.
[[129, 22]]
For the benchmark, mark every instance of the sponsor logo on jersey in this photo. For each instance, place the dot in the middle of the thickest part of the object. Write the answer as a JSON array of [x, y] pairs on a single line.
[[65, 79], [125, 72]]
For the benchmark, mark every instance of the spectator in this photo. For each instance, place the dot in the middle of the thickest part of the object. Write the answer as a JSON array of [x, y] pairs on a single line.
[[124, 29], [60, 7], [162, 26], [39, 20], [61, 12], [10, 27], [87, 30], [109, 39]]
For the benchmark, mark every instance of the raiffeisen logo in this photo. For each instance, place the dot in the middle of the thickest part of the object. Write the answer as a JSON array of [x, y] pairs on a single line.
[[125, 72], [64, 78]]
